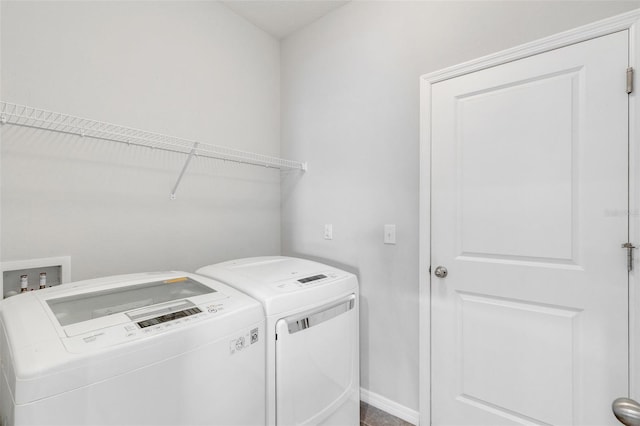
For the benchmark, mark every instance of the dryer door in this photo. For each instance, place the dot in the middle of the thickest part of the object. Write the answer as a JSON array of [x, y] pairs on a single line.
[[317, 362]]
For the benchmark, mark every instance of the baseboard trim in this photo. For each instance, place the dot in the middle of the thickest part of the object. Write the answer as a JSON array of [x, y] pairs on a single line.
[[391, 407]]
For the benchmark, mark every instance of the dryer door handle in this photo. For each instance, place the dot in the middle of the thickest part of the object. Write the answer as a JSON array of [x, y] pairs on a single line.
[[308, 319]]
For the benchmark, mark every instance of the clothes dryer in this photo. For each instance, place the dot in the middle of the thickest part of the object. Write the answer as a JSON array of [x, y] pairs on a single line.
[[312, 337], [167, 348]]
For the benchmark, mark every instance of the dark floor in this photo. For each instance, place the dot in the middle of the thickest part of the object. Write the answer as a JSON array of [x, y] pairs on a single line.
[[372, 416]]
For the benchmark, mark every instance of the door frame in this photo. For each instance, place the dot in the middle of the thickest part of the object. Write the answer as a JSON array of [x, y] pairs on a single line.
[[628, 21]]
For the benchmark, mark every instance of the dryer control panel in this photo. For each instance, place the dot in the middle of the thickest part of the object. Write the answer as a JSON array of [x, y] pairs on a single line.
[[306, 281], [311, 279]]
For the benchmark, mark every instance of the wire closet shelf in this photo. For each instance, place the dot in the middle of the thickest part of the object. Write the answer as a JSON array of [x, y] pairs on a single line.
[[26, 116]]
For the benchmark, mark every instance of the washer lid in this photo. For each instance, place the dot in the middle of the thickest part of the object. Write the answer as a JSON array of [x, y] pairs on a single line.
[[86, 306]]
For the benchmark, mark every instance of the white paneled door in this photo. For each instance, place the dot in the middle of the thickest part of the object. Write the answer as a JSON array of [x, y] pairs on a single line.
[[529, 207]]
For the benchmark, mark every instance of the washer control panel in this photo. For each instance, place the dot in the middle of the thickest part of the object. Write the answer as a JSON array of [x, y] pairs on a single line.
[[168, 317], [144, 327]]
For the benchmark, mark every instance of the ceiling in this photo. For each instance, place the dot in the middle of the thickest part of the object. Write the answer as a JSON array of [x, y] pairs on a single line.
[[282, 17]]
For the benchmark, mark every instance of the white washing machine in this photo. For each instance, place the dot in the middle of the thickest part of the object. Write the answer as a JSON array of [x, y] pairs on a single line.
[[167, 348], [312, 337]]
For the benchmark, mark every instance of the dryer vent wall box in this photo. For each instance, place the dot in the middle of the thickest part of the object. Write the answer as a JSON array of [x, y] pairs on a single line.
[[168, 348], [312, 336]]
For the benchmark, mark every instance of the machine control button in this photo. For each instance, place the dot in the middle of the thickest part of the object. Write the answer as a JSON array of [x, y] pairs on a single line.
[[215, 308], [240, 343], [254, 336], [92, 338]]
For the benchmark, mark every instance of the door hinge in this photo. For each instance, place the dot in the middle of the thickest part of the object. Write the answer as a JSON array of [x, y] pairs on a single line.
[[629, 80], [629, 248]]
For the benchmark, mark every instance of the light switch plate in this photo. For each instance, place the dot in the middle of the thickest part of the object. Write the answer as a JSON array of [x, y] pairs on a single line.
[[390, 234], [328, 232]]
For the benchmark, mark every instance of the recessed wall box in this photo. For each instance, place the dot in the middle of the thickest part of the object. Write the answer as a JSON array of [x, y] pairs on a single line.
[[58, 270]]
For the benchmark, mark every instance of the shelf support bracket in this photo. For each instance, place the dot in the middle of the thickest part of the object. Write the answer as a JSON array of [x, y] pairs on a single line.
[[184, 169]]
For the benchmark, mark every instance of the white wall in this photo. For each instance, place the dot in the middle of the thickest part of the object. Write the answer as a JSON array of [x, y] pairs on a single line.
[[350, 107], [189, 69], [350, 100]]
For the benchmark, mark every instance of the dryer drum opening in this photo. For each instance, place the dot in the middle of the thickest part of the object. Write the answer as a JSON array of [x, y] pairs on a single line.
[[309, 319]]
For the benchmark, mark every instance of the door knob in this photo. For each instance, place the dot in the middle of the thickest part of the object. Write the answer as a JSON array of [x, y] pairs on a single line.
[[627, 411], [441, 272]]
